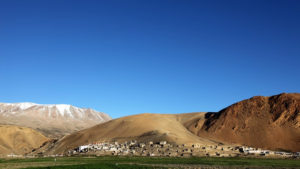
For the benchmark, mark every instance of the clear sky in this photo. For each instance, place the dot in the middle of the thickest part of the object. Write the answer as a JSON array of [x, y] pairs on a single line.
[[128, 57]]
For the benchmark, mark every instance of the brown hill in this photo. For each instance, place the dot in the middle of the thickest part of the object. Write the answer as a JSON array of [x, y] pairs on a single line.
[[142, 127], [19, 140], [265, 122]]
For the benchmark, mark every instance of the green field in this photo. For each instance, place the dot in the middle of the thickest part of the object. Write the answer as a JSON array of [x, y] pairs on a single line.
[[144, 162]]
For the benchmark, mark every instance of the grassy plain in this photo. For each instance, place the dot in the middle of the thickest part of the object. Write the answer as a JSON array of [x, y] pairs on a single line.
[[145, 162]]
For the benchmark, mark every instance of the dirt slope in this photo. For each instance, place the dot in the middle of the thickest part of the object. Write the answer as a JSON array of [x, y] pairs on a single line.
[[19, 140], [142, 127], [262, 122], [265, 122]]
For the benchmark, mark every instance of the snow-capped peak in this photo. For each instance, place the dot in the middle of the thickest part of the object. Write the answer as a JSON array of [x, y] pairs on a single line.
[[51, 110], [56, 119], [26, 105], [23, 106]]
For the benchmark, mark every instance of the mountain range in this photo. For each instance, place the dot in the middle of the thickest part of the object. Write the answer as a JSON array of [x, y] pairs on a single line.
[[262, 122], [52, 120]]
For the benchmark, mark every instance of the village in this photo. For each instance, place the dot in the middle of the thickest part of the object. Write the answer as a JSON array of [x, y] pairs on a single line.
[[162, 148]]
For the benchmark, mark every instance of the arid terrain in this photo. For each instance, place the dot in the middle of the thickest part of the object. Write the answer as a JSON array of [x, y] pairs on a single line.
[[265, 122], [260, 122], [142, 127], [53, 121], [19, 140]]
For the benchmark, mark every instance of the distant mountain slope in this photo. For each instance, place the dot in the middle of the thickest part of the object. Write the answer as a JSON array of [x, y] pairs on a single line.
[[142, 127], [52, 120], [262, 122], [265, 122], [19, 140]]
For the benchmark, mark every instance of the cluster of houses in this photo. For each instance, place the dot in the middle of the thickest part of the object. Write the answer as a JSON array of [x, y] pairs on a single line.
[[261, 152], [163, 148]]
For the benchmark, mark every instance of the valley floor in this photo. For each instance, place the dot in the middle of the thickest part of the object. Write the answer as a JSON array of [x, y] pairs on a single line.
[[147, 162]]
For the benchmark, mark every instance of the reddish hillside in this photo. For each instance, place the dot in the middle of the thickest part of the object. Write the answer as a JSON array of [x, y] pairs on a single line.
[[265, 122]]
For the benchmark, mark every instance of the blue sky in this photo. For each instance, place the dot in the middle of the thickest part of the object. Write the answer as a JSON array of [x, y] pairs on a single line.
[[158, 56]]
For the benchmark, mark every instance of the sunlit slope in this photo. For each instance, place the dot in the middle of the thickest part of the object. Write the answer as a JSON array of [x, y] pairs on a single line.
[[19, 140], [142, 127], [263, 122]]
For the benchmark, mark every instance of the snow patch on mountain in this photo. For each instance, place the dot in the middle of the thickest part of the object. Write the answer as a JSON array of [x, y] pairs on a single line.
[[52, 110], [23, 106]]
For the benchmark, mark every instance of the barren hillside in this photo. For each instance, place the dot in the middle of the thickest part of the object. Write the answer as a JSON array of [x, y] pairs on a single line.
[[265, 122], [262, 122], [19, 140], [142, 127]]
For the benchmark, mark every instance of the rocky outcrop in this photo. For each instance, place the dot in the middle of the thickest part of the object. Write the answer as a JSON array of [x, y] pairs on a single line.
[[265, 122]]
